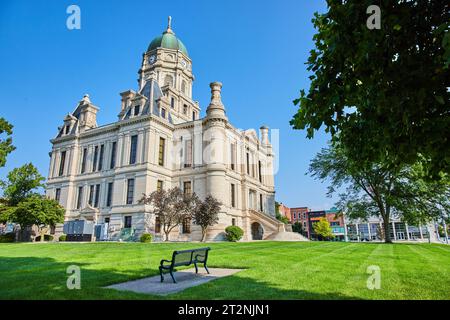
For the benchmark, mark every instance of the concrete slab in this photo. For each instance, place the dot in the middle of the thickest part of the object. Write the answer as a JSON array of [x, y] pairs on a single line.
[[185, 279]]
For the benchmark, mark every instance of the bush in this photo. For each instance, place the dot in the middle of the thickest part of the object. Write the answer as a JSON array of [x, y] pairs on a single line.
[[7, 237], [62, 237], [146, 238], [234, 233], [47, 237]]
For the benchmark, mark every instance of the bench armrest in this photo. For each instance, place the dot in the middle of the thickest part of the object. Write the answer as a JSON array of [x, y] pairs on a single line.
[[163, 260]]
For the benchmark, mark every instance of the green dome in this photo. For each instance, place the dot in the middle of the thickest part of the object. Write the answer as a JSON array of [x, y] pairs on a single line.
[[168, 40]]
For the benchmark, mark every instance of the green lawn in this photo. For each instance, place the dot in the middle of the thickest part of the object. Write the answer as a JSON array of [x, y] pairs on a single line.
[[273, 270]]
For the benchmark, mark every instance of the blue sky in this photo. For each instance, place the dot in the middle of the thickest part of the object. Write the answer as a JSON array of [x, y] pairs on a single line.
[[257, 49]]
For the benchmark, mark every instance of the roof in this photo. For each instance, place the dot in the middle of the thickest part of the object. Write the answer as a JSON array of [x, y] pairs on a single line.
[[168, 40]]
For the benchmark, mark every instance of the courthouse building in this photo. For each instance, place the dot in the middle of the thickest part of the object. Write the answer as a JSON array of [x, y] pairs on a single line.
[[99, 173]]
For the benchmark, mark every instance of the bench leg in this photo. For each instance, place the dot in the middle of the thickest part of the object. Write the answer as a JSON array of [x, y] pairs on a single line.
[[206, 267], [196, 268], [161, 274], [173, 278]]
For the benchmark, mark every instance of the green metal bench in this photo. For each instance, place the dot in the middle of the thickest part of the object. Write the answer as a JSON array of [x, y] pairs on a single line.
[[184, 258]]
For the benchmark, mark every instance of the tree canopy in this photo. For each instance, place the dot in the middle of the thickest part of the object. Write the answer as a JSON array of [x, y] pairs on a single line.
[[6, 146], [379, 190], [206, 213], [383, 92], [21, 183], [323, 229]]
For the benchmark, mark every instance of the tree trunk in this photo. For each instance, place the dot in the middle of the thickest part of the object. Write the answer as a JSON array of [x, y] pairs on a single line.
[[167, 235], [387, 233], [203, 235]]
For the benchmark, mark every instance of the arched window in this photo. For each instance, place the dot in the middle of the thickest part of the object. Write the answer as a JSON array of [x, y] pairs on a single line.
[[168, 80], [183, 87]]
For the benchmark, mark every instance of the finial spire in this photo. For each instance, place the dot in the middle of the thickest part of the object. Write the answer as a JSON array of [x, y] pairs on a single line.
[[169, 24]]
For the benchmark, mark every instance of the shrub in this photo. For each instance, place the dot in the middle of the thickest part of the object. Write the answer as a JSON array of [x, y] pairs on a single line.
[[47, 237], [146, 238], [7, 237], [234, 233], [62, 237]]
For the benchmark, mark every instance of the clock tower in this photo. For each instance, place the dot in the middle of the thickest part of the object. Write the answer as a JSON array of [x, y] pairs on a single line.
[[167, 62]]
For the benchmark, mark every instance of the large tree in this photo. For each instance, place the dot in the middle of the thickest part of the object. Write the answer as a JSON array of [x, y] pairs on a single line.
[[171, 206], [21, 183], [35, 210], [383, 91], [206, 213], [6, 146], [380, 190]]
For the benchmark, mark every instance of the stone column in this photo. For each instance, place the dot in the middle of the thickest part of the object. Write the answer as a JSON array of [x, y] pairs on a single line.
[[407, 231], [358, 238], [368, 230], [393, 230]]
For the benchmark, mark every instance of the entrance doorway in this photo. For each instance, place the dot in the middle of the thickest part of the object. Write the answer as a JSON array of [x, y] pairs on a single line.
[[257, 231], [400, 236]]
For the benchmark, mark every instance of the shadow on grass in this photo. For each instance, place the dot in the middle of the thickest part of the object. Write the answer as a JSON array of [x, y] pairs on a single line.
[[45, 278]]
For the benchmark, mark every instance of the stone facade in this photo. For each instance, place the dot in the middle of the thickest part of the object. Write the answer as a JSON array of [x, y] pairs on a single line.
[[100, 173]]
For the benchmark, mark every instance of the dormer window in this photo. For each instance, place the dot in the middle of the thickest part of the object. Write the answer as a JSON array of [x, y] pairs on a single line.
[[172, 102], [67, 129], [185, 109], [163, 113], [194, 115], [136, 110]]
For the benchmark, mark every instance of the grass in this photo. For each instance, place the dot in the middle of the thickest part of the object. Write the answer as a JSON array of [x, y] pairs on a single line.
[[273, 270]]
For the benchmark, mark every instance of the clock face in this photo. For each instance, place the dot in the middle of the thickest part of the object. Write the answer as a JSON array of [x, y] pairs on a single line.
[[184, 63], [152, 59]]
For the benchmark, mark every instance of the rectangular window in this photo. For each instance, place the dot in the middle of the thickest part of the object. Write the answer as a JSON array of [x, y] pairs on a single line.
[[233, 221], [172, 102], [80, 197], [127, 222], [94, 164], [159, 185], [162, 144], [188, 154], [91, 195], [133, 149], [112, 165], [136, 110], [57, 194], [62, 163], [261, 207], [130, 191], [187, 187], [109, 194], [194, 115], [185, 109], [97, 196], [67, 129], [233, 197], [163, 113], [186, 225], [100, 160], [259, 171], [157, 225], [83, 161], [248, 163], [233, 156]]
